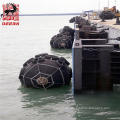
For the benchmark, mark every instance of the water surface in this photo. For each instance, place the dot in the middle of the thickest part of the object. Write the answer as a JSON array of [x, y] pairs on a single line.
[[17, 103]]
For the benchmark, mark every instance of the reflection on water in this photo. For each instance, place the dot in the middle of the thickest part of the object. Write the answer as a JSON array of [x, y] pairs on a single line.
[[41, 97], [60, 103], [49, 104]]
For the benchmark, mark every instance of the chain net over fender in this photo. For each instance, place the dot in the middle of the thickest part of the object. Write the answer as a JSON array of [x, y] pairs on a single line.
[[64, 39], [45, 71]]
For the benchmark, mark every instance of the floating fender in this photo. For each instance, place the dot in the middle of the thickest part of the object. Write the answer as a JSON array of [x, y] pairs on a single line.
[[45, 71], [72, 20], [63, 40], [79, 20]]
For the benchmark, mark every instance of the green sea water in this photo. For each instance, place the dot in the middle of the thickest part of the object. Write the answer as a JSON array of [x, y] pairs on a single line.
[[31, 37]]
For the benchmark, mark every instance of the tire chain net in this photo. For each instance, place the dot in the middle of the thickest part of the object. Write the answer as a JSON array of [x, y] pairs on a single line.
[[45, 71], [64, 39]]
